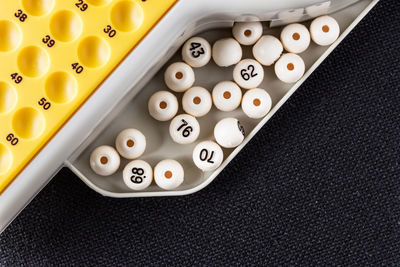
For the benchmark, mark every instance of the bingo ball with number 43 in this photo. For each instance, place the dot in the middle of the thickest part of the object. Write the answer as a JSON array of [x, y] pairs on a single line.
[[248, 73], [196, 52], [184, 129], [208, 156], [137, 175]]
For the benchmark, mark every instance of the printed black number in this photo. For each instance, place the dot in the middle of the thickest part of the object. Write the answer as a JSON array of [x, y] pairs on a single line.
[[12, 139], [20, 15], [188, 129], [241, 128], [17, 78], [137, 178], [110, 31], [44, 103], [204, 155], [81, 5], [78, 69], [245, 75], [196, 52], [47, 40]]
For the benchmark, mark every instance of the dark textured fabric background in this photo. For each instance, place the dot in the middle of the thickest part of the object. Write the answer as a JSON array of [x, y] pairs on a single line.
[[319, 185]]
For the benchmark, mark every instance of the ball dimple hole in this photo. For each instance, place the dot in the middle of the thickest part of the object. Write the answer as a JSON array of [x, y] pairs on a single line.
[[103, 160], [28, 123], [256, 102], [8, 97], [247, 33], [130, 143], [65, 26], [61, 87], [5, 159], [290, 66], [10, 36], [296, 36], [179, 75], [227, 94], [168, 174], [163, 105], [197, 100], [126, 16], [38, 7], [325, 28], [93, 52], [33, 61]]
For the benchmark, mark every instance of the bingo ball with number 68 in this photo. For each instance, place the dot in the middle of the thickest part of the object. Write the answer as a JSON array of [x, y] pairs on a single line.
[[208, 156], [137, 175], [184, 129], [248, 73], [229, 133], [196, 52]]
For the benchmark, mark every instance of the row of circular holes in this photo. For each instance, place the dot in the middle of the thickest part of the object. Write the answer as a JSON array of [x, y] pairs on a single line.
[[66, 25]]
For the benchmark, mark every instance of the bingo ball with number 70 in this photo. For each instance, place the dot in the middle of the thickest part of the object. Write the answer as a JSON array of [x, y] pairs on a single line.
[[137, 175], [208, 156], [184, 129], [196, 52]]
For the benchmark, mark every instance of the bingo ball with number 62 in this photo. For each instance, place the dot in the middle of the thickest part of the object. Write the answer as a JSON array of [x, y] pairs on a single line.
[[137, 175], [184, 129], [248, 73], [196, 52], [208, 156]]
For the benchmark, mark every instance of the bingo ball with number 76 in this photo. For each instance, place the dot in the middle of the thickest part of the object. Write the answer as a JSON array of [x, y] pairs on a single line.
[[184, 129], [137, 175]]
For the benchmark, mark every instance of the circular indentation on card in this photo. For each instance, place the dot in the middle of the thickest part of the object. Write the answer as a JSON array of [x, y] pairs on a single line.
[[8, 98], [28, 123], [65, 26], [33, 61], [5, 159], [61, 87], [93, 52], [38, 7], [10, 36], [98, 2], [126, 16]]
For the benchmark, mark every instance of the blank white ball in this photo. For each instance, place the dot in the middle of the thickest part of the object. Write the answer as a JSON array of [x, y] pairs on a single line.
[[229, 133], [289, 68], [248, 73], [163, 106], [196, 52], [104, 160], [256, 103], [208, 156], [168, 174], [184, 129], [130, 143], [227, 96], [226, 52], [295, 38], [197, 101], [137, 175], [247, 33], [267, 50], [324, 30], [179, 77]]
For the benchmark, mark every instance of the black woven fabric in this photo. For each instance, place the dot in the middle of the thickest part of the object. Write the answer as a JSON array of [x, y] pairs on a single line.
[[319, 185]]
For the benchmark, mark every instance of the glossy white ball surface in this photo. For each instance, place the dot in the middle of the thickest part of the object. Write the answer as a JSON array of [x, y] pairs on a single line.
[[289, 68], [197, 101], [104, 160], [227, 96], [267, 50], [208, 156], [295, 38], [248, 73], [226, 52], [184, 129], [137, 175], [256, 103], [229, 133], [324, 30], [196, 52], [168, 174], [130, 143], [247, 33], [179, 77], [163, 105]]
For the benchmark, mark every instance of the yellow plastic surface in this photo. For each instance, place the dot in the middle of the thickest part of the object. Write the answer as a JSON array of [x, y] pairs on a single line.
[[53, 55]]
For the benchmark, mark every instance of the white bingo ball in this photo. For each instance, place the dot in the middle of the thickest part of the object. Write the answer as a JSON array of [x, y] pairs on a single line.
[[248, 73], [130, 143], [267, 50], [197, 101], [226, 52], [104, 160], [227, 96], [324, 30], [295, 38], [168, 174], [247, 33], [163, 105], [229, 133], [184, 129], [208, 156], [289, 68], [196, 52], [256, 103], [179, 77], [137, 175]]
